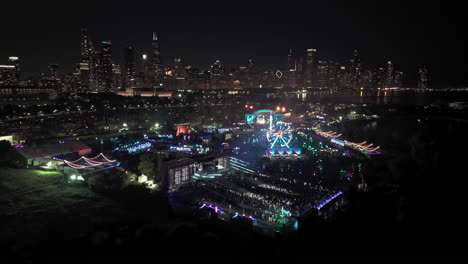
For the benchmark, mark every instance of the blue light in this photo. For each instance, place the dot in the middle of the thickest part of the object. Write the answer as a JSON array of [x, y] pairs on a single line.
[[296, 225]]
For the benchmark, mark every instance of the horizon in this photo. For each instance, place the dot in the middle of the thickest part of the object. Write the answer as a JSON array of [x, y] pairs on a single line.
[[379, 34]]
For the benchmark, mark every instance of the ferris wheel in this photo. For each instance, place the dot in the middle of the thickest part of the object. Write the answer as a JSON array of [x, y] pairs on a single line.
[[279, 135]]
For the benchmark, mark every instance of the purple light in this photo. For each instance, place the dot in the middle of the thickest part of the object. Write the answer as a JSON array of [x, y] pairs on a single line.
[[328, 200], [217, 210]]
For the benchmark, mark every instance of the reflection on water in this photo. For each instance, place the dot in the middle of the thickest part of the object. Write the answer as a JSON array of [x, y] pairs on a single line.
[[375, 97]]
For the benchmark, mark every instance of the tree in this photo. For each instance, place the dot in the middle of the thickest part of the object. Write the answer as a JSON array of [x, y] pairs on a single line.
[[149, 165], [5, 146]]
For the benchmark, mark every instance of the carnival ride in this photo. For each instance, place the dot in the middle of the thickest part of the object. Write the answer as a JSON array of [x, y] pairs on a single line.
[[86, 163], [279, 138], [362, 146], [279, 134]]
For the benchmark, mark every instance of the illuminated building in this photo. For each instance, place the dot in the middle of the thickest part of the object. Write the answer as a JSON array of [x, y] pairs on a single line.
[[422, 81], [252, 73], [86, 64], [156, 66], [179, 68], [332, 75], [398, 80], [216, 69], [85, 46], [53, 71], [10, 73], [129, 77], [342, 76], [322, 74], [291, 61], [300, 70], [104, 67], [291, 70], [177, 173], [380, 77], [310, 67], [355, 71], [389, 78], [146, 68], [117, 78], [51, 78]]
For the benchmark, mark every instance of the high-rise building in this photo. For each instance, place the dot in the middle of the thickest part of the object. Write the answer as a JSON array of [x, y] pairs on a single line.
[[145, 62], [355, 71], [291, 61], [86, 71], [7, 75], [117, 78], [422, 81], [156, 66], [51, 79], [252, 74], [217, 69], [310, 67], [84, 78], [104, 67], [10, 73], [332, 75], [291, 70], [380, 77], [85, 46], [389, 78], [322, 74], [342, 75], [53, 71], [129, 78], [179, 72], [398, 79]]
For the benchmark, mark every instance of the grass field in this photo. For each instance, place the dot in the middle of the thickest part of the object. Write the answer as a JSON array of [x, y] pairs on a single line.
[[60, 210], [12, 179], [15, 196]]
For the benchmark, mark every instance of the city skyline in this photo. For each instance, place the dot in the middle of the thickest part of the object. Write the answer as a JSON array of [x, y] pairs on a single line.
[[201, 36], [230, 130]]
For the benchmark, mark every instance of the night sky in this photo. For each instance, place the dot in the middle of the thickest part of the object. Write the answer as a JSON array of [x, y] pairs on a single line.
[[409, 33]]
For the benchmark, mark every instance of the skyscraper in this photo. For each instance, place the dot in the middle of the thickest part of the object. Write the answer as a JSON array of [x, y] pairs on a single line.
[[310, 67], [291, 61], [117, 79], [104, 67], [398, 79], [86, 71], [9, 74], [422, 81], [156, 66], [148, 79], [342, 76], [355, 71], [389, 78], [179, 68], [291, 70], [322, 74], [53, 71], [85, 46], [217, 69], [129, 78], [252, 74]]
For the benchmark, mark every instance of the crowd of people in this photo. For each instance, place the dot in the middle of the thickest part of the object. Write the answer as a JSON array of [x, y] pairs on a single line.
[[261, 197]]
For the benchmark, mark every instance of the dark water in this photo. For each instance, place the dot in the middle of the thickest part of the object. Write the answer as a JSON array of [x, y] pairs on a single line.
[[397, 132], [384, 98]]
